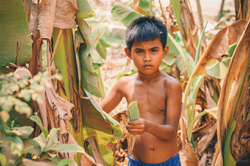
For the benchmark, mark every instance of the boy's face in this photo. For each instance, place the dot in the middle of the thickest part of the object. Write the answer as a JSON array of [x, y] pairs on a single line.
[[147, 56]]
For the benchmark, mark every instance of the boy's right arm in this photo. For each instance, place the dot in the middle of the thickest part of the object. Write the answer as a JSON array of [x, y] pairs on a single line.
[[113, 98]]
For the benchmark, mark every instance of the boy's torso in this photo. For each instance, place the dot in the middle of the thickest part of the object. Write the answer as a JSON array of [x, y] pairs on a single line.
[[152, 98]]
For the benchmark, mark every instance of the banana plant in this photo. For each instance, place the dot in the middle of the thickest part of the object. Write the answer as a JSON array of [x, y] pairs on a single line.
[[15, 43], [233, 117], [73, 53]]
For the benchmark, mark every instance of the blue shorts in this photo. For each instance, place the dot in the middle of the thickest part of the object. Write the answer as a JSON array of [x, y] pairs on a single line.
[[174, 161]]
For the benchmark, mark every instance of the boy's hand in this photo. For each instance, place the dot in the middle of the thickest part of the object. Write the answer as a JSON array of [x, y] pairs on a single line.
[[137, 127]]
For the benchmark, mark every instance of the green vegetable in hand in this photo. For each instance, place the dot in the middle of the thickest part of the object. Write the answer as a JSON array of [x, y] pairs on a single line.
[[133, 114]]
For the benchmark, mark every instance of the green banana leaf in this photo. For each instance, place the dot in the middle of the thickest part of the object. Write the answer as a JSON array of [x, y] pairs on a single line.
[[85, 11], [174, 47], [14, 31], [231, 49], [124, 14], [219, 69], [83, 27], [61, 59], [182, 11], [96, 115], [89, 77]]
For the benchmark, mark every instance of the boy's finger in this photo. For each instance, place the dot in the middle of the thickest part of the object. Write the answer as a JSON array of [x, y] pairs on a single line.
[[134, 126], [136, 122], [135, 131]]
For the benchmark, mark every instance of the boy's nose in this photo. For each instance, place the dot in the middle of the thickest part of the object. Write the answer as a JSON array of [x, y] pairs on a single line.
[[147, 57]]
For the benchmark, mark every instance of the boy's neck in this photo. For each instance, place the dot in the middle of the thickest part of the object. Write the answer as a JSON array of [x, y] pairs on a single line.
[[148, 77]]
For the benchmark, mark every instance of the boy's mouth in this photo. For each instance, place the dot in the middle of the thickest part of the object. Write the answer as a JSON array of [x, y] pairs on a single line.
[[148, 66]]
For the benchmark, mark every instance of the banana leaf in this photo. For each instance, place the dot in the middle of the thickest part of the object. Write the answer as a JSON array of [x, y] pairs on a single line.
[[219, 46], [85, 11], [219, 69], [14, 33], [185, 20], [233, 114], [124, 14], [61, 60], [89, 77], [143, 7]]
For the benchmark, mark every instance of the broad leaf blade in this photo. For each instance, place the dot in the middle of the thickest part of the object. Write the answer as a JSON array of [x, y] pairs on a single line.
[[85, 11], [233, 103], [219, 69], [98, 119], [219, 46], [124, 14], [14, 29]]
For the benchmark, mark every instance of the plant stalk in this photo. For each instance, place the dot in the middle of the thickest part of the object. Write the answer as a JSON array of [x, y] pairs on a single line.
[[150, 8]]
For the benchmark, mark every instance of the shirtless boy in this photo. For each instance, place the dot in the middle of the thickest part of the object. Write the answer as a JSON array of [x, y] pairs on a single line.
[[157, 94]]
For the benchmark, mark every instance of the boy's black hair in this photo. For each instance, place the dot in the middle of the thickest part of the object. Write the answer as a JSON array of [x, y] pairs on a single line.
[[146, 29]]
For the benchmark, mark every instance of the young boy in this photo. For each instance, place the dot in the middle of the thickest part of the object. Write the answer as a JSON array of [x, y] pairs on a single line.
[[157, 94]]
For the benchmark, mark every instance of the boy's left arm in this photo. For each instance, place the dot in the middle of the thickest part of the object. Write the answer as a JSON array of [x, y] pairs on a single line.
[[168, 131]]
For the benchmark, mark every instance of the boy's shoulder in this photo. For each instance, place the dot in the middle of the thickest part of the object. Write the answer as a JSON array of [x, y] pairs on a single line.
[[171, 83], [127, 79]]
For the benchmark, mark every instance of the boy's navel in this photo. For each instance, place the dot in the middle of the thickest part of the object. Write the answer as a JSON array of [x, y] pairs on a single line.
[[152, 148]]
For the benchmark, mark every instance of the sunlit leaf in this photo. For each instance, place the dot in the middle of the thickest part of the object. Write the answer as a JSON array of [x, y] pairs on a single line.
[[170, 59], [219, 46], [85, 11], [231, 49], [219, 69], [124, 14], [61, 59], [41, 141], [3, 160], [96, 118], [23, 131]]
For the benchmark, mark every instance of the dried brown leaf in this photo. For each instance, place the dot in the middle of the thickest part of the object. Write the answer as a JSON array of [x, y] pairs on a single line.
[[46, 17], [229, 96], [189, 28], [94, 146], [206, 139], [33, 21], [87, 160], [65, 13], [21, 71], [187, 156], [219, 45], [137, 8]]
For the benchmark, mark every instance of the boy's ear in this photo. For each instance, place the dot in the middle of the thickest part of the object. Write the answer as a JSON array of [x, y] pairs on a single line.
[[165, 51], [126, 50]]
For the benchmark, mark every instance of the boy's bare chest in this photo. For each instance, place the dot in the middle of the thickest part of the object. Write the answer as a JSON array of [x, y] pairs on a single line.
[[150, 98]]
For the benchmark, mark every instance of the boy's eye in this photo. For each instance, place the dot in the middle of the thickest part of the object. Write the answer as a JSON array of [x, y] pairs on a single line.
[[154, 51], [138, 52]]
